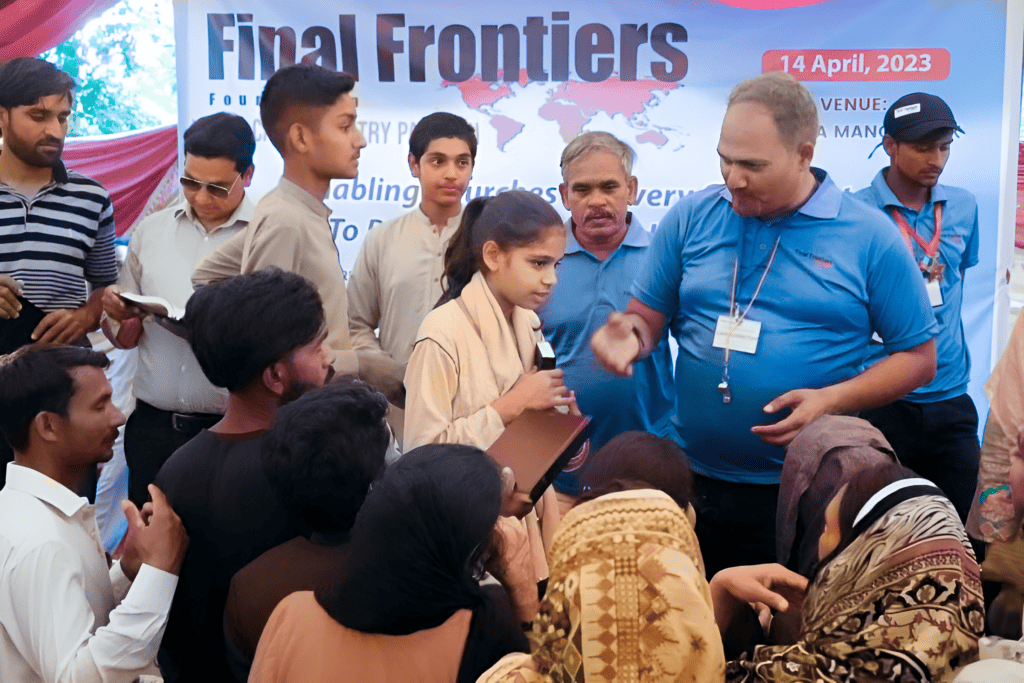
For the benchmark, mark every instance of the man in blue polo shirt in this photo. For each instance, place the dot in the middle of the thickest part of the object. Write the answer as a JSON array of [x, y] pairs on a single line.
[[772, 284], [605, 247], [934, 430]]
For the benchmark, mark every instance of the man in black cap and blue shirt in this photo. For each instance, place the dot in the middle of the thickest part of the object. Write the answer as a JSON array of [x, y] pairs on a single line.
[[934, 429]]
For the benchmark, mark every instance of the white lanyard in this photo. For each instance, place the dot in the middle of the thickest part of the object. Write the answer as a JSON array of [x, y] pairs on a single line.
[[738, 318]]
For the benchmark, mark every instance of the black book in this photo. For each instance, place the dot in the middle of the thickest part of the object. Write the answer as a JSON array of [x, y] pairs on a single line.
[[17, 332]]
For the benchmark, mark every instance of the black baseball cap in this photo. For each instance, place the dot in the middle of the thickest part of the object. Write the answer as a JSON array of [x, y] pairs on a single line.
[[914, 116]]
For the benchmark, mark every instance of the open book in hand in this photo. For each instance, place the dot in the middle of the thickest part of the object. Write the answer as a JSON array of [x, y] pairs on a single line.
[[165, 314], [153, 304]]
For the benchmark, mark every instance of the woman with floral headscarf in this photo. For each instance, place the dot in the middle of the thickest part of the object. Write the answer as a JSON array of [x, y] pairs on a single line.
[[895, 592]]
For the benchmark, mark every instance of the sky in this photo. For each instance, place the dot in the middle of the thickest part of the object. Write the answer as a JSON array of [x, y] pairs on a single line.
[[154, 83]]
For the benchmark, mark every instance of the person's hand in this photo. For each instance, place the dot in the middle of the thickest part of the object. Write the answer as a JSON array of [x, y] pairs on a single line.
[[383, 373], [543, 389], [155, 536], [66, 325], [514, 503], [1003, 616], [115, 307], [615, 345], [536, 390], [807, 404], [574, 407], [767, 584], [9, 293]]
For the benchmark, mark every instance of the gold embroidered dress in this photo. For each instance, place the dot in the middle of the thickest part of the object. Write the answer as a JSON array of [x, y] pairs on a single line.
[[627, 600]]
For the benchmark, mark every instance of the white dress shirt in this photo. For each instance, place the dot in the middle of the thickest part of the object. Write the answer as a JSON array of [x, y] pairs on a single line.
[[64, 615], [164, 250]]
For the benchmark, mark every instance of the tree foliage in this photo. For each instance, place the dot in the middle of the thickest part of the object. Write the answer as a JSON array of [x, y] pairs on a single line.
[[123, 65]]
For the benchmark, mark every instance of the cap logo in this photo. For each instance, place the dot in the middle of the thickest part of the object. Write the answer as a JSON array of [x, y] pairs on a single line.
[[909, 109]]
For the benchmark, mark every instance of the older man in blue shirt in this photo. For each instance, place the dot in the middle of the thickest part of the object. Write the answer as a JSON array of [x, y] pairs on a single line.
[[605, 248], [772, 284]]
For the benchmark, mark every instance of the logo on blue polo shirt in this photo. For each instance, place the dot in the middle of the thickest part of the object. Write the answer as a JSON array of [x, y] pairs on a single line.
[[819, 261]]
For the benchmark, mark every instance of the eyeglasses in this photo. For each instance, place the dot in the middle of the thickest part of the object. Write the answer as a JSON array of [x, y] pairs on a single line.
[[219, 191]]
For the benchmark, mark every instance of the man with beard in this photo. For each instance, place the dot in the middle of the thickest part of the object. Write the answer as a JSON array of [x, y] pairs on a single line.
[[56, 226], [604, 251], [66, 614], [260, 336]]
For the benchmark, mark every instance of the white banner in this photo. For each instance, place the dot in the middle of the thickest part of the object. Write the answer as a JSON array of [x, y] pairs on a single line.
[[655, 74]]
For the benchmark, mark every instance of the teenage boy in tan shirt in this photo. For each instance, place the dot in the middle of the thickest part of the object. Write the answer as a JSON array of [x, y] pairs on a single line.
[[396, 279], [310, 117]]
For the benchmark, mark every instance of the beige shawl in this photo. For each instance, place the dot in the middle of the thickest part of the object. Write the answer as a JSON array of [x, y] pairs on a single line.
[[627, 600], [992, 516], [465, 357]]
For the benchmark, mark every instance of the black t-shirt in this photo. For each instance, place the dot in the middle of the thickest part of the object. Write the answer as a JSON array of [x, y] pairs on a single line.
[[216, 485]]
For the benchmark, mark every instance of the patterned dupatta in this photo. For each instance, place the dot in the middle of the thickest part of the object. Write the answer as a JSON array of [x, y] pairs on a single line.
[[902, 602], [627, 600]]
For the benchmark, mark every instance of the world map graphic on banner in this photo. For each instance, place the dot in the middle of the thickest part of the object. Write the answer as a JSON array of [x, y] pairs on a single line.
[[656, 74], [571, 104]]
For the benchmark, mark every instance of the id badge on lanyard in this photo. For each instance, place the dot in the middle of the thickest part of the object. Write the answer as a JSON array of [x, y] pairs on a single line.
[[930, 264], [734, 331], [934, 292], [739, 335]]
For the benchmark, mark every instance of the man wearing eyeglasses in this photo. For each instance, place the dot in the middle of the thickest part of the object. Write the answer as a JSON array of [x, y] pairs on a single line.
[[174, 399]]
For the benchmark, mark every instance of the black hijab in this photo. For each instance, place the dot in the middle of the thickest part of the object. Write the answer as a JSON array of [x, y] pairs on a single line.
[[414, 551], [819, 461]]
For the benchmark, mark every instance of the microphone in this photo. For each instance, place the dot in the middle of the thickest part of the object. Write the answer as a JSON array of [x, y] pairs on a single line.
[[544, 356]]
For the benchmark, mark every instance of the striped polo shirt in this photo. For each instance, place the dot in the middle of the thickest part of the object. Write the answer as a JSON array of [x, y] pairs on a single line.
[[59, 240]]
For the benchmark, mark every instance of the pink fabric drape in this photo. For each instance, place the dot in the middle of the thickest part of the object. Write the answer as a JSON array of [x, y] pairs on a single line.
[[130, 167], [31, 27]]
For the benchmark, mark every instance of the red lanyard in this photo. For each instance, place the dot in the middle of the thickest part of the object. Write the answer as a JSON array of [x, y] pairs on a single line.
[[930, 248]]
